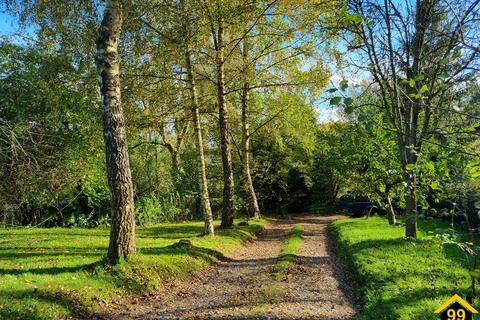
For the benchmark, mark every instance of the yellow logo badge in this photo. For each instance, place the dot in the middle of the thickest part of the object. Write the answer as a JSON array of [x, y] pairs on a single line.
[[456, 308]]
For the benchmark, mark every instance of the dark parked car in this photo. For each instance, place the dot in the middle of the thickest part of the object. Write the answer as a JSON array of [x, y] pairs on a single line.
[[357, 206]]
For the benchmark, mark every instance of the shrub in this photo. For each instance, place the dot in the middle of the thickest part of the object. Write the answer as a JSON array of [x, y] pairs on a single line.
[[152, 209]]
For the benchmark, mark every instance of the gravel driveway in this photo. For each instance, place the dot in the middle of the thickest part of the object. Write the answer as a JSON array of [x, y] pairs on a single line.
[[243, 285]]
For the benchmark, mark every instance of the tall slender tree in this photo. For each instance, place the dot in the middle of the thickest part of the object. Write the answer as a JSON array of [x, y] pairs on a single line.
[[201, 167], [180, 32], [251, 202], [190, 32], [216, 21], [271, 56], [122, 232]]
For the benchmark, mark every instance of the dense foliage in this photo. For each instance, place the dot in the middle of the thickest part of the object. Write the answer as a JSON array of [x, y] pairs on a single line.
[[52, 163], [53, 170], [129, 114]]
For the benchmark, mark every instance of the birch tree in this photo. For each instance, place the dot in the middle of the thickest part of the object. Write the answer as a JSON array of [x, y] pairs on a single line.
[[189, 33], [122, 232], [272, 55], [216, 19], [179, 30]]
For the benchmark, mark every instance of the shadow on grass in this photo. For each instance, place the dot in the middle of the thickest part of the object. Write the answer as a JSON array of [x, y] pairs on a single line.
[[190, 231], [129, 276], [132, 276], [54, 270], [20, 299], [21, 253], [171, 231], [208, 255]]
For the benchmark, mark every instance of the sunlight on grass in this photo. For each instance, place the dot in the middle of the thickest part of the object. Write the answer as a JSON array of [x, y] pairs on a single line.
[[46, 273], [399, 278], [289, 248]]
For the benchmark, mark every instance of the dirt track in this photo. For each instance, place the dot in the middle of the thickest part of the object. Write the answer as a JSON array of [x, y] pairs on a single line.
[[243, 286]]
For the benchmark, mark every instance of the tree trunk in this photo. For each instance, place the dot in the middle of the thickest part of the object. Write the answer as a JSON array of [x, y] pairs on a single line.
[[410, 198], [176, 171], [392, 219], [251, 198], [409, 157], [228, 188], [122, 232], [412, 148], [202, 175], [410, 209]]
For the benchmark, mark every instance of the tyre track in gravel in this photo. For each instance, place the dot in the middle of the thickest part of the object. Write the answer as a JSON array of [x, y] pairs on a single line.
[[243, 285]]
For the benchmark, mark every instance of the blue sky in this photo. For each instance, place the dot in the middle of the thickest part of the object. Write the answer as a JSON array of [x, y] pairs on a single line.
[[8, 24]]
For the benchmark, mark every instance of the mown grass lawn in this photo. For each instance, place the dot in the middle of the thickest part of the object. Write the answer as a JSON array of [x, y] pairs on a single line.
[[53, 273], [398, 278]]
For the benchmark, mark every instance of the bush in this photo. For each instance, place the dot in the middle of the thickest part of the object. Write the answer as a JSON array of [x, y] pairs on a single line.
[[152, 209], [87, 206]]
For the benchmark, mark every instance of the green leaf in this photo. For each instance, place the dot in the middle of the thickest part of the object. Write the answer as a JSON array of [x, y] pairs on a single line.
[[424, 88], [434, 185], [411, 83], [343, 84], [335, 101], [430, 166], [356, 18], [475, 174], [456, 55], [443, 62], [443, 86], [347, 101], [414, 95], [419, 77], [332, 90], [349, 109], [410, 166], [381, 187], [361, 117], [443, 74], [477, 204]]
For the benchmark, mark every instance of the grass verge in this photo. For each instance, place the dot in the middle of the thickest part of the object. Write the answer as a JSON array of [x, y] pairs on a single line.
[[290, 247], [54, 273], [399, 278]]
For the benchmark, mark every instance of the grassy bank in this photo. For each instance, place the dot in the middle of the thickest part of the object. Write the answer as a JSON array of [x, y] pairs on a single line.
[[398, 278], [289, 249], [52, 273]]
